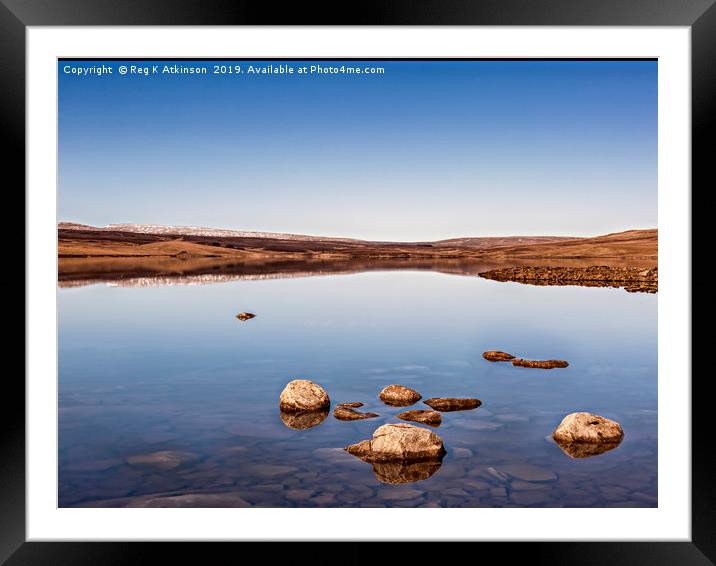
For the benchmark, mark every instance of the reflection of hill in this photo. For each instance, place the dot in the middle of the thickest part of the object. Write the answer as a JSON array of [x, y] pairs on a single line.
[[90, 255], [157, 271]]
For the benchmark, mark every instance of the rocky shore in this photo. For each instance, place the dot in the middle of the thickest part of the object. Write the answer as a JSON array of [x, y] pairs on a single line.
[[632, 279]]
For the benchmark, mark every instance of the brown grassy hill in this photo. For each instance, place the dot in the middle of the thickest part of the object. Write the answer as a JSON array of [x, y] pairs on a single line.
[[489, 242], [87, 243], [73, 248], [636, 244]]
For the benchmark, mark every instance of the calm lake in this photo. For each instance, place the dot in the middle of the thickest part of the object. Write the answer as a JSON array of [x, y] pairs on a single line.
[[169, 369]]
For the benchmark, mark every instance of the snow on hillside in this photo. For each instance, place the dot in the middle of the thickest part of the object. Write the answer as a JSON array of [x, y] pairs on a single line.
[[193, 231]]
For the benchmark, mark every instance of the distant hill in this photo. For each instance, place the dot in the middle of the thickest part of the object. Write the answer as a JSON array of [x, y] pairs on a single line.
[[138, 240], [191, 231], [489, 242], [641, 244]]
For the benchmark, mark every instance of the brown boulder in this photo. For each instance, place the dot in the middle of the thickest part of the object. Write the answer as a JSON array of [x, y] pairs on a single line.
[[399, 442], [353, 405], [303, 395], [588, 428], [245, 316], [497, 356], [431, 418], [343, 413], [399, 396], [446, 404], [303, 419], [542, 364]]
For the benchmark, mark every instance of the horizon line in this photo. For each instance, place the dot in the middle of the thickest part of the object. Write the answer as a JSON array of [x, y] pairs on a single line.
[[273, 232]]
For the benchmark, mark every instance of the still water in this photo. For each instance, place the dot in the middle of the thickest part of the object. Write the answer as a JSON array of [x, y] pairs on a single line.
[[166, 399]]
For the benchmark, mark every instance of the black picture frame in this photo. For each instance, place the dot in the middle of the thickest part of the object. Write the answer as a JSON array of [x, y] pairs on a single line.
[[699, 15]]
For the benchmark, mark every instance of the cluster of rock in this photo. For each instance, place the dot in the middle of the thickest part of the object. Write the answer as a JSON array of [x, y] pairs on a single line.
[[498, 356], [633, 279], [400, 452], [579, 435]]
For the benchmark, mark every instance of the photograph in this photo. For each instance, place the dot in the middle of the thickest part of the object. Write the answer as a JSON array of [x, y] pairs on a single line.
[[357, 283]]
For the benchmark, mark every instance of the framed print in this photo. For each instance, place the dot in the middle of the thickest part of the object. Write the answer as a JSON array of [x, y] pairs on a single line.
[[389, 282]]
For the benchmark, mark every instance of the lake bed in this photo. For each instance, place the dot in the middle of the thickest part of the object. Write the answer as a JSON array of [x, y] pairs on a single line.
[[166, 399]]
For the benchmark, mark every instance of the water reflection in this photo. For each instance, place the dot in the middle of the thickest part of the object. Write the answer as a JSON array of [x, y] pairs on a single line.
[[150, 272], [304, 419], [586, 449], [405, 472]]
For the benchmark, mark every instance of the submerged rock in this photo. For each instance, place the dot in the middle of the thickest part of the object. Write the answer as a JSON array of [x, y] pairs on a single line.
[[431, 418], [302, 420], [344, 413], [405, 472], [303, 395], [497, 356], [453, 403], [401, 442], [542, 364], [581, 435], [164, 459], [245, 315], [529, 473], [200, 500], [399, 396], [353, 405]]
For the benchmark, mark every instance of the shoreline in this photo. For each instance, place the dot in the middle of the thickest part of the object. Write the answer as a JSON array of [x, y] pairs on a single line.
[[631, 279]]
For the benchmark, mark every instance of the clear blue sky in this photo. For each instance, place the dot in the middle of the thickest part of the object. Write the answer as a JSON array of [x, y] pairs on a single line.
[[427, 150]]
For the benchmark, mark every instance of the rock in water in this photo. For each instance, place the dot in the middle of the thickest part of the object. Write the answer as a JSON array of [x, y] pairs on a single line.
[[302, 420], [164, 459], [343, 413], [431, 418], [529, 473], [588, 428], [203, 500], [399, 396], [453, 403], [352, 405], [399, 442], [245, 315], [497, 356], [631, 278], [542, 364], [303, 395]]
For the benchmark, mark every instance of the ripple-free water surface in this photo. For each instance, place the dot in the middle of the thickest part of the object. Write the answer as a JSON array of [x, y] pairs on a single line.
[[156, 369]]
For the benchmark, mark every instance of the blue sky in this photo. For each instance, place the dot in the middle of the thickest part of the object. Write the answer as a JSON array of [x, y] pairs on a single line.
[[427, 150]]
